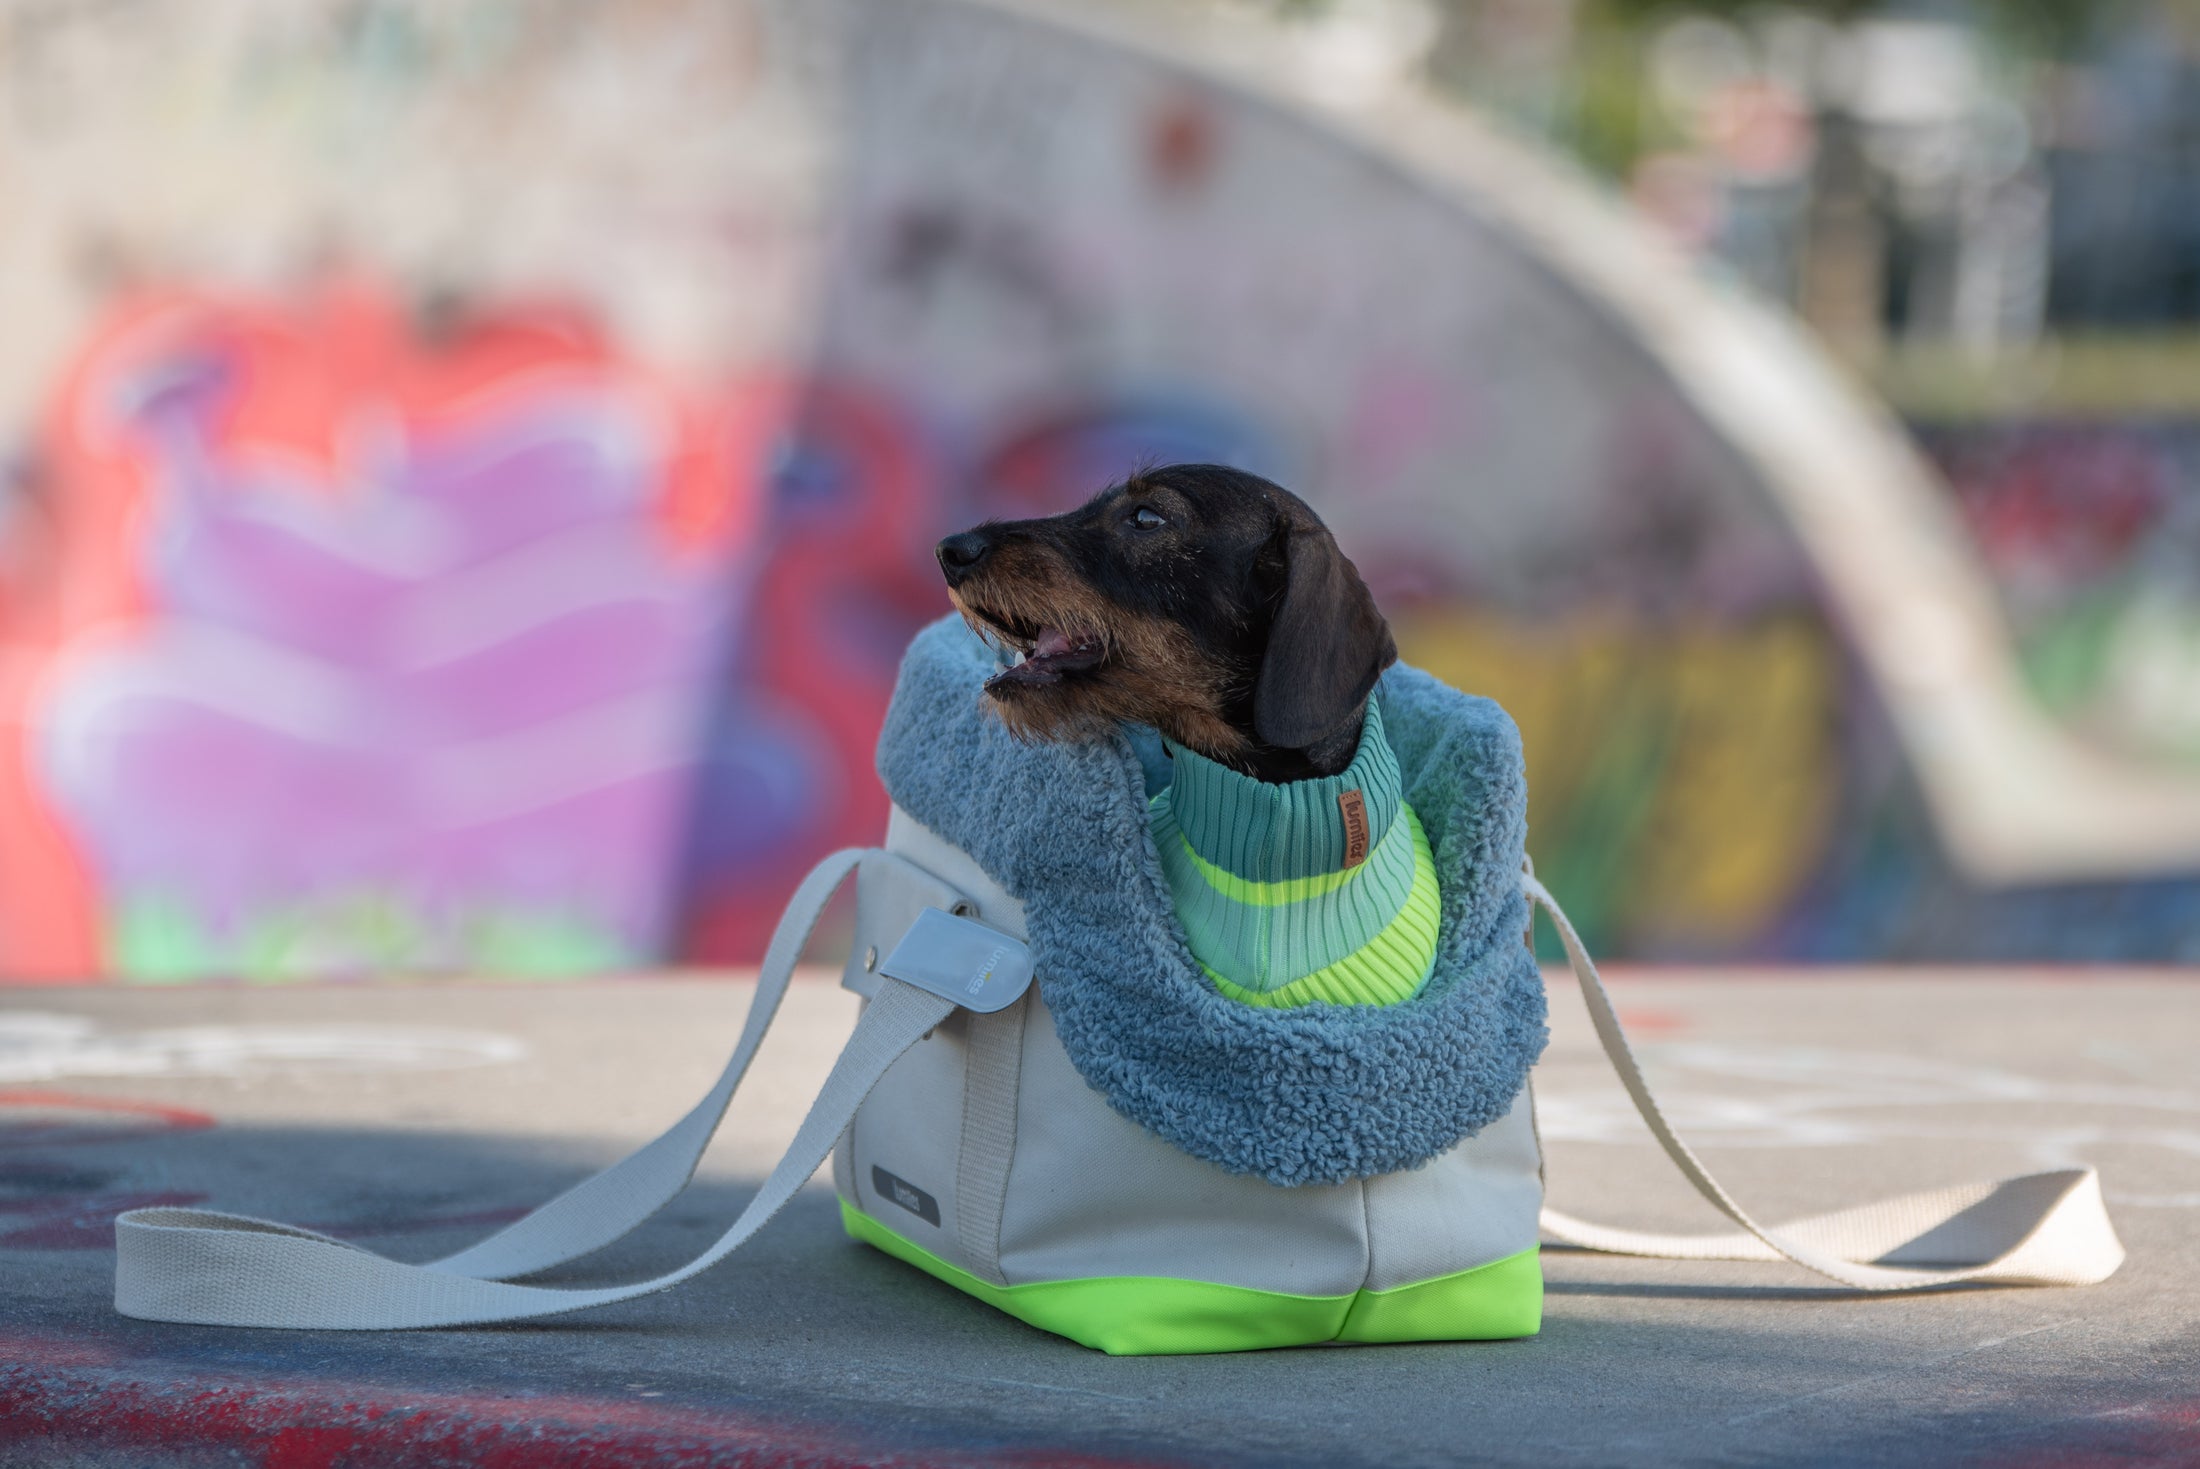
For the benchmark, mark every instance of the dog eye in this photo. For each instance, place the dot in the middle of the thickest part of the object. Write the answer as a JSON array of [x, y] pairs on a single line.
[[1145, 517]]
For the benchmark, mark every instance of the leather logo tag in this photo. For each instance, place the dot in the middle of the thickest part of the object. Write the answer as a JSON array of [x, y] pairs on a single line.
[[1353, 807]]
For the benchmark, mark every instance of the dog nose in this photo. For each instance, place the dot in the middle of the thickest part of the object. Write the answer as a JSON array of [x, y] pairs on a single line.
[[959, 555]]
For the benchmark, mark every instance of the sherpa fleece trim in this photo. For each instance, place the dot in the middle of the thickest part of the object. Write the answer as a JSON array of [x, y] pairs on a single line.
[[1318, 1093]]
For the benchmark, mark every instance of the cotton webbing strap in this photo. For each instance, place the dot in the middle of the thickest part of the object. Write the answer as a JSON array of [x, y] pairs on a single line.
[[2039, 1229], [228, 1270]]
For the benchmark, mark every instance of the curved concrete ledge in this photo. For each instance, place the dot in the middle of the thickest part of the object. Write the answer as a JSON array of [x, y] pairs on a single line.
[[2017, 797]]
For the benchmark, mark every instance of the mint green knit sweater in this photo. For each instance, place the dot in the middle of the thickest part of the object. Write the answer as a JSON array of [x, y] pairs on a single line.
[[1260, 874]]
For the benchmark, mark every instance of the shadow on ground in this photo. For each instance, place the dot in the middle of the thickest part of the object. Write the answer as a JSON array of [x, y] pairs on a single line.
[[804, 1332]]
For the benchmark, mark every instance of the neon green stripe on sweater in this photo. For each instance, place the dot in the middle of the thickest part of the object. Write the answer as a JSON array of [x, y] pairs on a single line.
[[1270, 908], [1392, 966]]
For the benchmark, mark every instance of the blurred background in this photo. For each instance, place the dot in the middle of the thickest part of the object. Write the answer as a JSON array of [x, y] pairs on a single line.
[[468, 471]]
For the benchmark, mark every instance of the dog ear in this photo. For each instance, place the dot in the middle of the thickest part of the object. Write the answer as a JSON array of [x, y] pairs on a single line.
[[1326, 646]]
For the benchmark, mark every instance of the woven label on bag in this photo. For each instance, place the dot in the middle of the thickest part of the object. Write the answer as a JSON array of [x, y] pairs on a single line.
[[978, 968]]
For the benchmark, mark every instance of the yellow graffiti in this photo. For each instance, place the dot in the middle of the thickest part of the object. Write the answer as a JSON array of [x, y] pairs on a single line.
[[1680, 780]]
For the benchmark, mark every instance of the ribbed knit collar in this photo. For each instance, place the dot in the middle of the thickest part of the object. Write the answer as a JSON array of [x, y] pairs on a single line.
[[1268, 832]]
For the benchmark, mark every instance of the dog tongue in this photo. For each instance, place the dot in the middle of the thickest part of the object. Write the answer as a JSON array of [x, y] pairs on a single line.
[[1051, 642]]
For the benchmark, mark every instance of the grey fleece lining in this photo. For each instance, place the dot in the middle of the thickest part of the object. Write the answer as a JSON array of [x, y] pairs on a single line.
[[1317, 1094]]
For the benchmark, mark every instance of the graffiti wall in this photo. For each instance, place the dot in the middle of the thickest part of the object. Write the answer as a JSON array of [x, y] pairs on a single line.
[[386, 403], [2092, 529], [471, 518], [360, 652]]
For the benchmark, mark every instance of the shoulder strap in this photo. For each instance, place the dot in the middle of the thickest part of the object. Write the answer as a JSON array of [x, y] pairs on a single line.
[[215, 1269], [2039, 1229], [230, 1270]]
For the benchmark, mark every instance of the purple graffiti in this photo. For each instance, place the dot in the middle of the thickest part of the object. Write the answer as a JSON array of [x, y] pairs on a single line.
[[432, 705]]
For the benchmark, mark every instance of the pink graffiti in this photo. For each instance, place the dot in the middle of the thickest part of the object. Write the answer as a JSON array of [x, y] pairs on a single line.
[[427, 629]]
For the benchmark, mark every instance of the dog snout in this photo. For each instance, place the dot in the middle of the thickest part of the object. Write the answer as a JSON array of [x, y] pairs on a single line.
[[960, 555]]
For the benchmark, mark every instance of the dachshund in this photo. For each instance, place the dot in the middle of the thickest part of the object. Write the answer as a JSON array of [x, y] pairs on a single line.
[[1206, 602]]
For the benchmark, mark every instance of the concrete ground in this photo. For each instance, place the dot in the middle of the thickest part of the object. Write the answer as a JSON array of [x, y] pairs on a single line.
[[418, 1118]]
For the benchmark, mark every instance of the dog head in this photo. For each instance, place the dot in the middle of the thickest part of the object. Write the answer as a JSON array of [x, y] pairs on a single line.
[[1204, 601]]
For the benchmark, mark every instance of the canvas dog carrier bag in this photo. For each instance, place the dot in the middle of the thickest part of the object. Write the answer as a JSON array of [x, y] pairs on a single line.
[[1116, 1152]]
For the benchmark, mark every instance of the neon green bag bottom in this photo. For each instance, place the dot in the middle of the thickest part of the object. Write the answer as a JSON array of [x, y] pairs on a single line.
[[1139, 1316]]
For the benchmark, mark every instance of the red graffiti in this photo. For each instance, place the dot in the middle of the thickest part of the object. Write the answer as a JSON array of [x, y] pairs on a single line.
[[94, 1120], [480, 556], [2071, 505]]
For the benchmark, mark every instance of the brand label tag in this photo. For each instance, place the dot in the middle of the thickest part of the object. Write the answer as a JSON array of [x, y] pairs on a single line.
[[906, 1194], [979, 968], [1352, 806]]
